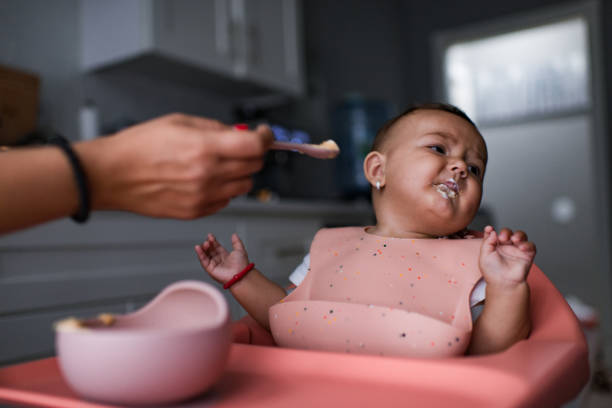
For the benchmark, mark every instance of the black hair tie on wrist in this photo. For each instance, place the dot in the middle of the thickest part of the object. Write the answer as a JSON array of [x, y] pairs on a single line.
[[79, 175]]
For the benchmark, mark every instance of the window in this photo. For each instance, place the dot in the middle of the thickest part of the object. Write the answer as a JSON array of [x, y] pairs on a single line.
[[537, 72]]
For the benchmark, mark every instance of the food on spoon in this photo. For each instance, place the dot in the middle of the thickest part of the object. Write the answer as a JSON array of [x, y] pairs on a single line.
[[331, 146]]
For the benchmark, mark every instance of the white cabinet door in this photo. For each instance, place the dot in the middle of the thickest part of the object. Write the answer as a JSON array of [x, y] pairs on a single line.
[[113, 31], [258, 42], [272, 37], [195, 31]]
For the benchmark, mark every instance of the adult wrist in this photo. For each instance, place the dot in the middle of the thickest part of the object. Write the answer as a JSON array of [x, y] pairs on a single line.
[[79, 175], [98, 163]]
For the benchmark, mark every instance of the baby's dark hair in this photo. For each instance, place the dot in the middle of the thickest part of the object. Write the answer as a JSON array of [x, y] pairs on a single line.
[[381, 136]]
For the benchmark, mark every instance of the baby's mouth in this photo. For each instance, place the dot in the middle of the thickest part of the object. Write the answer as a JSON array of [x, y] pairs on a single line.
[[448, 189]]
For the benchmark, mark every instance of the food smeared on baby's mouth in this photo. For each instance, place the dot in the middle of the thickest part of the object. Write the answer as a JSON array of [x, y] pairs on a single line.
[[448, 189]]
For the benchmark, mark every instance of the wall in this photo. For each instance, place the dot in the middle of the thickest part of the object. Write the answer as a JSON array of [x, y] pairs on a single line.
[[42, 37]]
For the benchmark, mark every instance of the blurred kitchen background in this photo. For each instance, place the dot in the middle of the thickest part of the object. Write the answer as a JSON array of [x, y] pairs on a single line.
[[535, 75]]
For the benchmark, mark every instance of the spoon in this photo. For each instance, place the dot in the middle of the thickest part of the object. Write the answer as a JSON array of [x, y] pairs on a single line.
[[326, 150]]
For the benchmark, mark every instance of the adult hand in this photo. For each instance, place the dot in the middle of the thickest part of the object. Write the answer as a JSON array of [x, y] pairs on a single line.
[[176, 166]]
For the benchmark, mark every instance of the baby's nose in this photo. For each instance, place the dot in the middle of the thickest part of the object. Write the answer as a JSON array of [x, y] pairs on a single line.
[[459, 167]]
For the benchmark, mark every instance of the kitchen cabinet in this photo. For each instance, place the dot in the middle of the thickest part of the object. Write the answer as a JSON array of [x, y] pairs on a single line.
[[257, 44], [116, 262]]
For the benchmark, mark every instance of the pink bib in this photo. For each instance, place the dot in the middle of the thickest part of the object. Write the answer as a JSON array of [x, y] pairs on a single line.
[[377, 295]]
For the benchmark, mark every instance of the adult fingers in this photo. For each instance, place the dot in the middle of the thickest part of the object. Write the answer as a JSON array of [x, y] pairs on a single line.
[[233, 188], [233, 143], [196, 121], [198, 200], [237, 169], [266, 134]]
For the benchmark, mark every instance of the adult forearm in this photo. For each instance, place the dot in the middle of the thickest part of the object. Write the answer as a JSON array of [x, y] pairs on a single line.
[[36, 185], [504, 320], [257, 294], [175, 166]]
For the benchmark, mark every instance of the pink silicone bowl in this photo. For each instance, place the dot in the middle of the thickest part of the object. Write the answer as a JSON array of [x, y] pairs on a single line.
[[173, 348]]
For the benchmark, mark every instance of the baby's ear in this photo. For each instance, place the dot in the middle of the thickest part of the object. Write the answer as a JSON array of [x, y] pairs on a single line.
[[374, 167]]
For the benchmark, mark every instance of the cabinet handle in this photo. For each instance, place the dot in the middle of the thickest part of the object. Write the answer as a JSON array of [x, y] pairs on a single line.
[[291, 34], [253, 48], [239, 37], [168, 16], [222, 27]]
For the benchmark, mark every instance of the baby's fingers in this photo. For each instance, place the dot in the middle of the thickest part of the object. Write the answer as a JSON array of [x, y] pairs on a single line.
[[237, 243], [527, 247], [489, 242], [216, 247], [505, 235], [518, 236], [202, 256]]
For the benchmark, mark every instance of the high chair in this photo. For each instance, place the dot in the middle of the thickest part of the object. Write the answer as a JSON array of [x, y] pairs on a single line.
[[545, 370]]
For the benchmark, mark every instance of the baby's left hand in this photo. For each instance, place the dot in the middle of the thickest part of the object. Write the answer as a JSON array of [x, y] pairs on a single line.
[[505, 258]]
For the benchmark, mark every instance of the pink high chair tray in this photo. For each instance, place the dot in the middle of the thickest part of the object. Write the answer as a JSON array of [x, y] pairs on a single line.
[[546, 370]]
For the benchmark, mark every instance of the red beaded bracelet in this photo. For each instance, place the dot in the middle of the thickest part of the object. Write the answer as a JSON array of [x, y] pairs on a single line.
[[238, 276]]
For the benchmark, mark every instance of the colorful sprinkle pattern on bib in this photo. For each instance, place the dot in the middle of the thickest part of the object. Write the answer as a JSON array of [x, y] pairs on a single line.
[[395, 297]]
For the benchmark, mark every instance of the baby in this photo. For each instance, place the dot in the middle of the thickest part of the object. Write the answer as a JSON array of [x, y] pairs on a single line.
[[405, 285]]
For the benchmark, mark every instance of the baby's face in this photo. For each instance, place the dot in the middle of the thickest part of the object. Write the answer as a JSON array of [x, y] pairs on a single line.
[[435, 163]]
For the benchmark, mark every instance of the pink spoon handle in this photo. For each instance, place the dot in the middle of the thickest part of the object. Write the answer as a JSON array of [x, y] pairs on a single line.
[[316, 151]]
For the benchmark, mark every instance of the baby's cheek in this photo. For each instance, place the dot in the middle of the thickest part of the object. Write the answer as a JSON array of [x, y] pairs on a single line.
[[473, 202]]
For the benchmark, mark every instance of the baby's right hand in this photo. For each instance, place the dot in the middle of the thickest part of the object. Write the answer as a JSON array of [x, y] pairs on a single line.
[[219, 263]]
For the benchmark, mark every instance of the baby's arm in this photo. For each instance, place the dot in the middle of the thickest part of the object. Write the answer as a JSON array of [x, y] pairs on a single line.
[[505, 260], [254, 291]]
